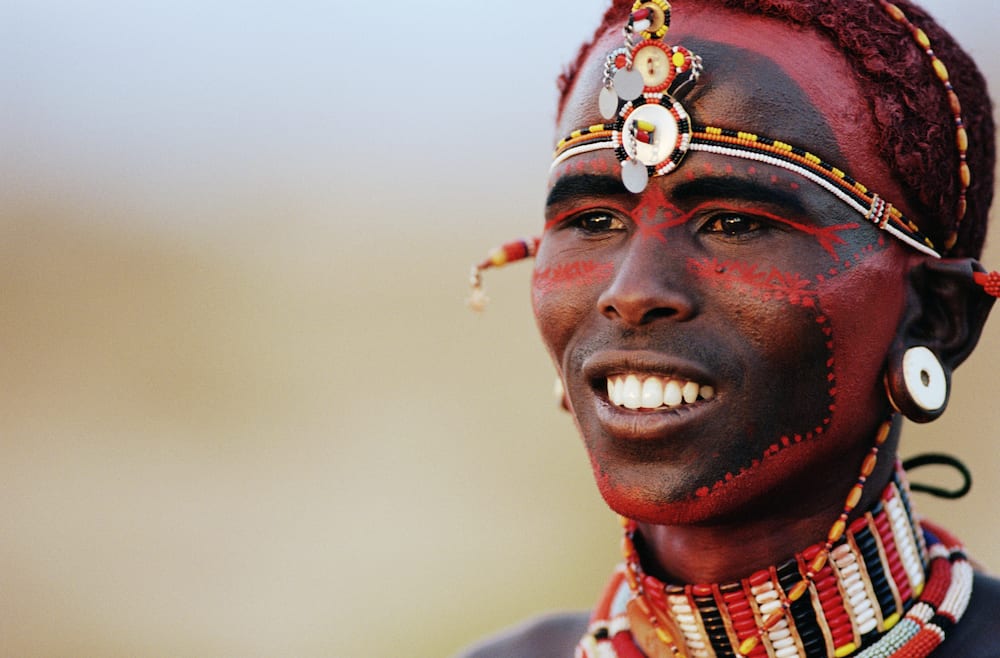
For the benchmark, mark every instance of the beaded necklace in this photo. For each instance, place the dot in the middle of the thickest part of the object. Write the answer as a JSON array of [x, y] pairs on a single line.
[[889, 588]]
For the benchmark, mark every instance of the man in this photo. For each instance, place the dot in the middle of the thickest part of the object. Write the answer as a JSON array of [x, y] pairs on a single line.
[[758, 258]]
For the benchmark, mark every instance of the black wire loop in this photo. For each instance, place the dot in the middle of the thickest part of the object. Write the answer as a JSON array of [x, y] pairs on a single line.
[[939, 459]]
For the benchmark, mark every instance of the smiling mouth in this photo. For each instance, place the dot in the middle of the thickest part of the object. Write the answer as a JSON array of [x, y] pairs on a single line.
[[637, 391]]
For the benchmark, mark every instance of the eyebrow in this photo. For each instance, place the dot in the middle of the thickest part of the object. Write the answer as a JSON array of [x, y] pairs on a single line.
[[700, 188], [577, 185], [732, 187]]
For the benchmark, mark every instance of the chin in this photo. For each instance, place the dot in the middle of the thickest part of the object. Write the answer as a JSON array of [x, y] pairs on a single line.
[[766, 488], [651, 504]]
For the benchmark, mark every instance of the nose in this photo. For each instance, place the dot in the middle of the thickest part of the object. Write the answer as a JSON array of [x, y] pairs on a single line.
[[649, 284]]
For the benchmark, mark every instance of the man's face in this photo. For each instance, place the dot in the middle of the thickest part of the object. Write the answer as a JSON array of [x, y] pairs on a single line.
[[722, 334]]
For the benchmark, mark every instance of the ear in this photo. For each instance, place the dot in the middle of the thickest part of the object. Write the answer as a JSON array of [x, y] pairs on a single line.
[[945, 313]]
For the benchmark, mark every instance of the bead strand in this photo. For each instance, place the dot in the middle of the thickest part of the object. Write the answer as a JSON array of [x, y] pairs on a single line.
[[836, 531], [961, 135]]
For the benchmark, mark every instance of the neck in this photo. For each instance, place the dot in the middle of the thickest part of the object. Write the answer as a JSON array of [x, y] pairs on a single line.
[[755, 539]]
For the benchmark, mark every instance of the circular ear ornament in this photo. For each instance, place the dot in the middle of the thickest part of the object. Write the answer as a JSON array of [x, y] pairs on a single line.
[[917, 385]]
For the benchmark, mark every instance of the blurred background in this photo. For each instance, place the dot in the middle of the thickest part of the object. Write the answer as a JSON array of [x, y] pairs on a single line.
[[244, 410]]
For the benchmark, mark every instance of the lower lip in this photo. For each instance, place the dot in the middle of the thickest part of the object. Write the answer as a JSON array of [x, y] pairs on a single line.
[[647, 424]]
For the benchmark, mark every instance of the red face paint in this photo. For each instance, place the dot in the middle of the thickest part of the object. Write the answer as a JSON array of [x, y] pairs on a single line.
[[568, 275], [783, 301]]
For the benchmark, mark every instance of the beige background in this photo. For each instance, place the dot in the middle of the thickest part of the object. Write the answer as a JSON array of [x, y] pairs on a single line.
[[244, 410]]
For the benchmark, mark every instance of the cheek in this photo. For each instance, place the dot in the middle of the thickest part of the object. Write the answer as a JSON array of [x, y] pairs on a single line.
[[865, 306], [562, 293]]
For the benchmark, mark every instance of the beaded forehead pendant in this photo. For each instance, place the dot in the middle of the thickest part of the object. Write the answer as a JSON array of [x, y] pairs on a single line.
[[651, 130]]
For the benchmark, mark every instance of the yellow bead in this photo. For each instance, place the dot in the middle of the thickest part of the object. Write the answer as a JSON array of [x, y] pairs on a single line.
[[783, 146], [965, 173], [845, 650], [891, 621], [868, 466], [678, 59], [748, 645], [498, 257], [812, 158], [940, 69], [837, 531], [854, 497], [921, 38], [796, 592], [645, 125], [895, 12], [664, 636], [962, 139], [883, 433], [818, 562], [837, 172], [956, 105]]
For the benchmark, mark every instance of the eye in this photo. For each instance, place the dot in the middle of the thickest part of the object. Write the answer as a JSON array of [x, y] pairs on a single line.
[[732, 224], [598, 222]]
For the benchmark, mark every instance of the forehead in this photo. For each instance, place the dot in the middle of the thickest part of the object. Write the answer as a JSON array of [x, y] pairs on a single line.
[[761, 76]]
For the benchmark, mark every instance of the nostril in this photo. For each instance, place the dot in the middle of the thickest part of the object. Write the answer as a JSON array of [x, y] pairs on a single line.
[[658, 313]]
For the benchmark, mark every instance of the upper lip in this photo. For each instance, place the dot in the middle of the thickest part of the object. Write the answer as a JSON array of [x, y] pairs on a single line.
[[598, 367]]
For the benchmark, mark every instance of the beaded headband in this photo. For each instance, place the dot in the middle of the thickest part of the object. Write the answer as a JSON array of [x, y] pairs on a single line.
[[650, 132]]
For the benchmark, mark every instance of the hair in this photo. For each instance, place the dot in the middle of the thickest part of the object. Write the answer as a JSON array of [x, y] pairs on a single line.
[[909, 104]]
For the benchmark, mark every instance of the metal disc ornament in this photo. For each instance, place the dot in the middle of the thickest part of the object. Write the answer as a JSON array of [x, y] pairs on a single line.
[[628, 84], [635, 176], [607, 101]]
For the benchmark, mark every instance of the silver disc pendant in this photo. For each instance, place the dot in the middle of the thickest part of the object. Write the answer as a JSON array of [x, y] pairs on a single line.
[[629, 84], [607, 101], [634, 175]]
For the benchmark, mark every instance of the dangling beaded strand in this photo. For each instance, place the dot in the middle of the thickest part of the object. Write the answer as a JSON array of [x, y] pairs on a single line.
[[961, 135], [507, 253]]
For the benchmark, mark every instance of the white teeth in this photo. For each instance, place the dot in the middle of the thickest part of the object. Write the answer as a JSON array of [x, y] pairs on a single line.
[[690, 392], [672, 393], [651, 392], [631, 393]]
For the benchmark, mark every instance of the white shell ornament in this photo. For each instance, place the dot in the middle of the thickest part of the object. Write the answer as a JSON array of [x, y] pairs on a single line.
[[607, 102], [635, 176], [628, 84]]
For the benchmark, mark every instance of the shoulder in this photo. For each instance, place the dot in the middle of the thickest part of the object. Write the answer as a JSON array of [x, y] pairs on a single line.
[[976, 635], [550, 636]]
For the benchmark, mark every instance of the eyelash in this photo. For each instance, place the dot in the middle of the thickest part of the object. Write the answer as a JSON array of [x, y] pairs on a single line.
[[599, 222], [717, 224], [609, 221]]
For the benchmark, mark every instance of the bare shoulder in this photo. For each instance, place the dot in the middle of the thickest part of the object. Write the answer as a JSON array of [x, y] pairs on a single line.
[[976, 635], [551, 636]]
